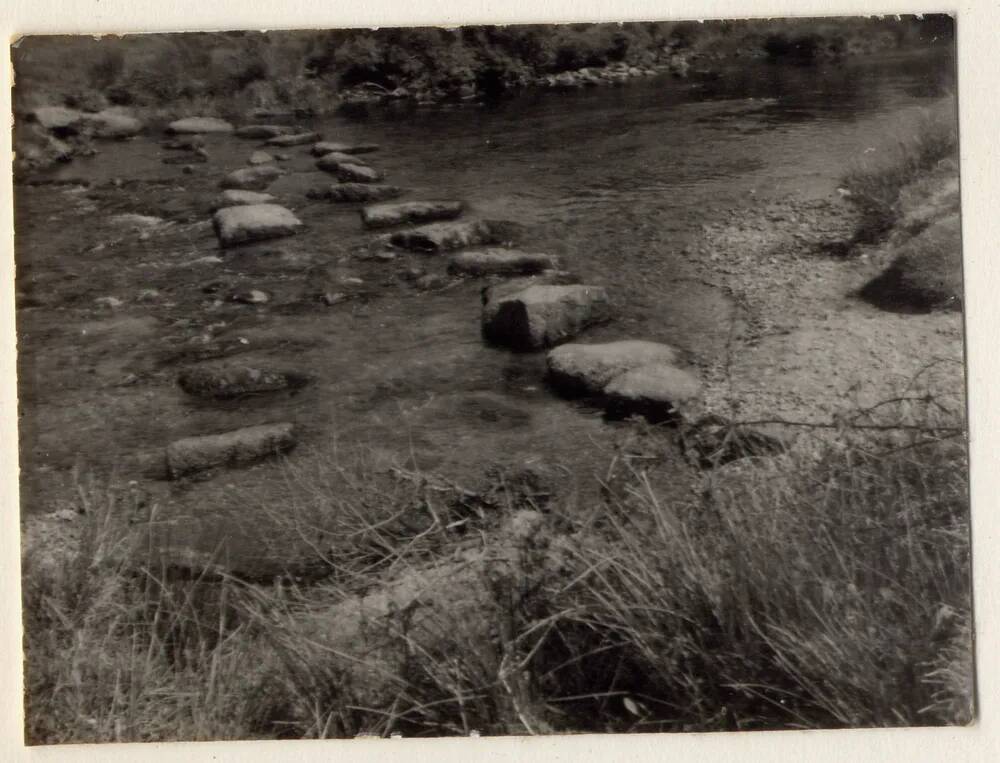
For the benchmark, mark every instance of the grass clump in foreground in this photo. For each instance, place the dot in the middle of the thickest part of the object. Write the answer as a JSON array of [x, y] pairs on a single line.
[[827, 586]]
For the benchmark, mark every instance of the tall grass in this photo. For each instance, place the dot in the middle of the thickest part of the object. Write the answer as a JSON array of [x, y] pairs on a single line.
[[825, 586], [875, 180]]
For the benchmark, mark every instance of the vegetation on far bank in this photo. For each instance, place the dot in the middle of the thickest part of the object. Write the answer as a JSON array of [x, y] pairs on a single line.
[[233, 72]]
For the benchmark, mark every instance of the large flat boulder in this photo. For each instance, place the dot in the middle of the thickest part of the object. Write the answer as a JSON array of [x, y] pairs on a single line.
[[543, 315], [358, 173], [113, 125], [228, 381], [262, 132], [233, 198], [354, 192], [235, 448], [58, 119], [448, 236], [586, 369], [255, 222], [484, 262], [190, 125], [327, 147], [332, 162], [252, 178], [656, 392], [295, 139], [386, 215]]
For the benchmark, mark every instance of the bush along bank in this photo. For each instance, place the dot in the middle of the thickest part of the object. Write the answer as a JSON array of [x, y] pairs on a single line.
[[909, 204]]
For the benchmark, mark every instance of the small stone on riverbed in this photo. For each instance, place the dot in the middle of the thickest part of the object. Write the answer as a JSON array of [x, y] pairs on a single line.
[[254, 222], [251, 297], [259, 157], [542, 315], [227, 382], [252, 178]]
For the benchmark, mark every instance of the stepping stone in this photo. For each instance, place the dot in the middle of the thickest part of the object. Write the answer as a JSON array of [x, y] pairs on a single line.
[[193, 158], [334, 160], [262, 132], [344, 148], [542, 315], [297, 139], [235, 448], [656, 392], [354, 192], [233, 197], [199, 125], [385, 215], [442, 237], [586, 369], [184, 144], [500, 262], [252, 178], [228, 382], [356, 173], [259, 157], [255, 222]]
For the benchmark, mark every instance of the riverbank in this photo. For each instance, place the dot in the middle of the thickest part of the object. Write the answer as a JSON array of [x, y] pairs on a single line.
[[155, 78]]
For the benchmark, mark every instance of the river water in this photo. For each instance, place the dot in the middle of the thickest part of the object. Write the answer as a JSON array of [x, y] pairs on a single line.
[[617, 181]]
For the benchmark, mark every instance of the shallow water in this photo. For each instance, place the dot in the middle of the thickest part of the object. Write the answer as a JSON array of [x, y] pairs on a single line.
[[617, 181]]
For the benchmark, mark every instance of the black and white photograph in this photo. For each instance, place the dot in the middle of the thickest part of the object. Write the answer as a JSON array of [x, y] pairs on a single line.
[[492, 380]]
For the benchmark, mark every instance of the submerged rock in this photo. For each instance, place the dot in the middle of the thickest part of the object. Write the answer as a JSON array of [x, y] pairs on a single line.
[[356, 173], [586, 369], [333, 161], [354, 192], [252, 178], [385, 215], [238, 447], [543, 315], [255, 222], [199, 125], [500, 262], [227, 382], [343, 148], [296, 139], [262, 132], [259, 157], [442, 237], [184, 144], [233, 197]]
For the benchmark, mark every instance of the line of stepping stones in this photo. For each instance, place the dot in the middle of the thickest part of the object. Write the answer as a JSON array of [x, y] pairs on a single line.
[[539, 308]]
